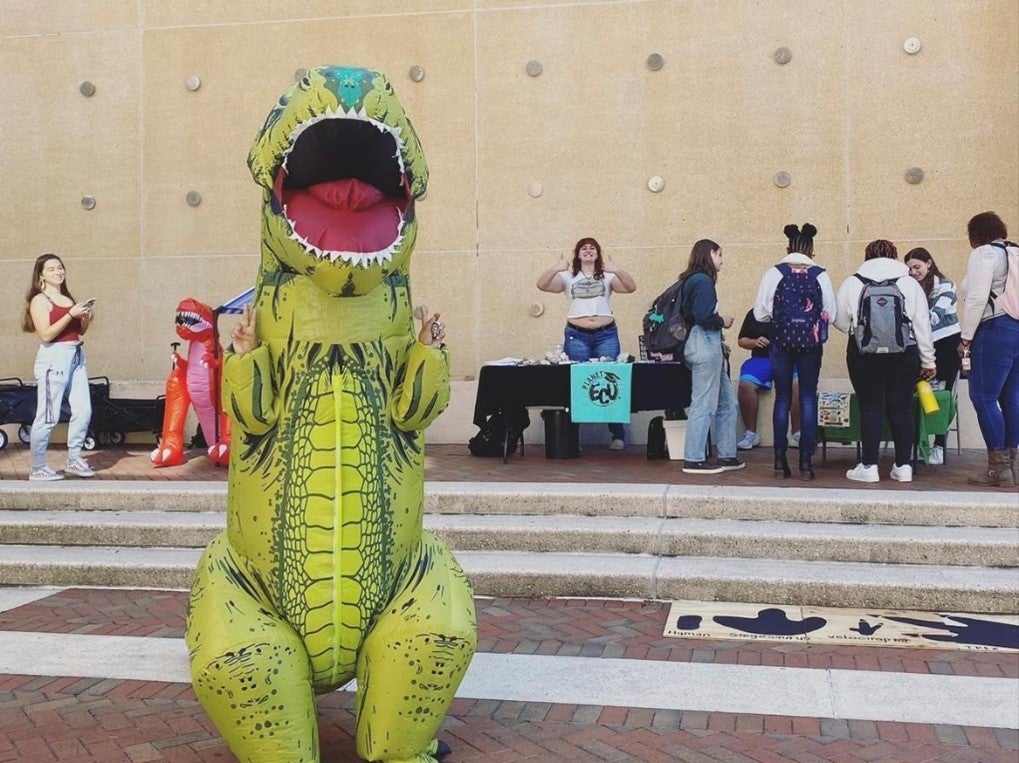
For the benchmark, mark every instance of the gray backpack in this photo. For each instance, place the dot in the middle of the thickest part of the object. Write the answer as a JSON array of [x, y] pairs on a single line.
[[881, 324]]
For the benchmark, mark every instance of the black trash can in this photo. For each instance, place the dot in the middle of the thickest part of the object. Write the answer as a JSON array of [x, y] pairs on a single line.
[[562, 436]]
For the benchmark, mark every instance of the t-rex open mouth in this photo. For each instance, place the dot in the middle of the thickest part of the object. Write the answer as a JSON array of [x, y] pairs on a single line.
[[343, 187], [193, 320]]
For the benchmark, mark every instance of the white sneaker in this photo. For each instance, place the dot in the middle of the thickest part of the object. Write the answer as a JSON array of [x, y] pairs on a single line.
[[902, 473], [78, 468], [749, 440], [794, 440], [936, 457], [617, 445], [43, 474], [861, 473]]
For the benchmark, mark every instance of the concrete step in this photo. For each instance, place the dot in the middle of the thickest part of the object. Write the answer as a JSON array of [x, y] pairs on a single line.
[[894, 544], [864, 505], [516, 573], [869, 505]]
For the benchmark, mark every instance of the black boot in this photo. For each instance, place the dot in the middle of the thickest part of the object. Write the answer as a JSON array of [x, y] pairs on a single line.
[[781, 465], [806, 468]]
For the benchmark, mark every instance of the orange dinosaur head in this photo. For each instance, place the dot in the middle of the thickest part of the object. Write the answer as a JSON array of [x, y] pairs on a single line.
[[194, 320]]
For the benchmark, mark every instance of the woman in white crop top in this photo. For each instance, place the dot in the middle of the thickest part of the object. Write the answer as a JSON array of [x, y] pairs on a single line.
[[588, 283]]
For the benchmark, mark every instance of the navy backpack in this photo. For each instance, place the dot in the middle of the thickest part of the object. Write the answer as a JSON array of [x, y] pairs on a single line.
[[796, 309]]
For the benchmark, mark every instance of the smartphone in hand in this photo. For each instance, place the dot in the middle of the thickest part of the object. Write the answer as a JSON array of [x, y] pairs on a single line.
[[87, 304]]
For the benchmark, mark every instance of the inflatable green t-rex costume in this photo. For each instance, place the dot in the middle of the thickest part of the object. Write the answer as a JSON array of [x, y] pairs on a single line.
[[324, 572]]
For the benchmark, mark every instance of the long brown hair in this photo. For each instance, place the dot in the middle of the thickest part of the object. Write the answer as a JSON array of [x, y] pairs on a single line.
[[932, 269], [27, 324], [599, 263], [700, 260]]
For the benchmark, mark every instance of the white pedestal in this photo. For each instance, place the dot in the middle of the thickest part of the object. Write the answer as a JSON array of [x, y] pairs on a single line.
[[675, 438]]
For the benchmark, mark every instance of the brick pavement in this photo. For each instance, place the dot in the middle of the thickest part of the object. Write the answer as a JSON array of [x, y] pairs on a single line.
[[70, 719], [608, 628], [76, 720], [445, 463], [73, 721]]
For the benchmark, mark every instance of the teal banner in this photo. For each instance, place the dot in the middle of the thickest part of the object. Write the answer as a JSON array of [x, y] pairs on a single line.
[[600, 392]]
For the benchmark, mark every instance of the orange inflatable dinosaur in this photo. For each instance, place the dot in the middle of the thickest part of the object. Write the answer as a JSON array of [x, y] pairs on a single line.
[[194, 381]]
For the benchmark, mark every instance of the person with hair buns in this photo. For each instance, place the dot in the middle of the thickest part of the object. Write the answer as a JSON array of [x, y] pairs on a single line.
[[797, 340], [884, 382], [945, 329]]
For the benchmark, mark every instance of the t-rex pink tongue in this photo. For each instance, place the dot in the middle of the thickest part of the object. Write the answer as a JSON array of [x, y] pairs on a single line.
[[343, 215], [348, 194]]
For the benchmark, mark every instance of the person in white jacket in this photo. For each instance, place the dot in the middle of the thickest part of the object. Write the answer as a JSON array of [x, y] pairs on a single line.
[[884, 382], [991, 336], [796, 351]]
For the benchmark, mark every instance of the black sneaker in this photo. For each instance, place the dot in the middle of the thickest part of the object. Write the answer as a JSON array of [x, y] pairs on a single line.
[[702, 467], [730, 464]]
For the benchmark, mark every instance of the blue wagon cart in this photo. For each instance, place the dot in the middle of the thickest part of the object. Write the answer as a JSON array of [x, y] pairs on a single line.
[[112, 418]]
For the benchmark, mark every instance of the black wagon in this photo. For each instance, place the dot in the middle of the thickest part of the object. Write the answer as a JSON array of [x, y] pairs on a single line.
[[112, 418]]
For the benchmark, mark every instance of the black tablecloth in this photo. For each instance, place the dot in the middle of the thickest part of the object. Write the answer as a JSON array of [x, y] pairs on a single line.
[[655, 387]]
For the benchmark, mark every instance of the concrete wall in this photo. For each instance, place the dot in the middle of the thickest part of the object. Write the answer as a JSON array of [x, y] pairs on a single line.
[[845, 117]]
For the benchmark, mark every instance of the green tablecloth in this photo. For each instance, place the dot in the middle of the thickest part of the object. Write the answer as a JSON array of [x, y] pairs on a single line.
[[927, 424]]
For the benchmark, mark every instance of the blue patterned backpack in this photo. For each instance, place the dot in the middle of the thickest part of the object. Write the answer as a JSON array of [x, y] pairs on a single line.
[[796, 309]]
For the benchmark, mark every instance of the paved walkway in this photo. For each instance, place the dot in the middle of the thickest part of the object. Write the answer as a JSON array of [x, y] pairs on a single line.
[[155, 716], [445, 463], [699, 700]]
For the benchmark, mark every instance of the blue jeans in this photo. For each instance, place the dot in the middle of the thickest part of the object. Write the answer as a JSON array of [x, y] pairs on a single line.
[[807, 365], [713, 400], [599, 343], [59, 366], [994, 381]]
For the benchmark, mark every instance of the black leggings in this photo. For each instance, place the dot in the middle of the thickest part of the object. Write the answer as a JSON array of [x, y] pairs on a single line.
[[946, 355], [884, 387]]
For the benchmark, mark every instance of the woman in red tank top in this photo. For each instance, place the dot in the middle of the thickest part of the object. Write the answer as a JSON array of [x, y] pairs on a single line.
[[60, 323]]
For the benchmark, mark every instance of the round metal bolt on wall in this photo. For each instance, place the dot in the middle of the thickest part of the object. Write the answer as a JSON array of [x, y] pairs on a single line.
[[783, 179], [192, 82], [193, 198], [782, 55], [87, 89], [416, 73], [88, 203], [533, 68], [914, 176], [655, 62]]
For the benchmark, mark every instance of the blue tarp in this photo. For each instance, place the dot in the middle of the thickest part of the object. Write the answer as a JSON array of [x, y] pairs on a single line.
[[236, 305]]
